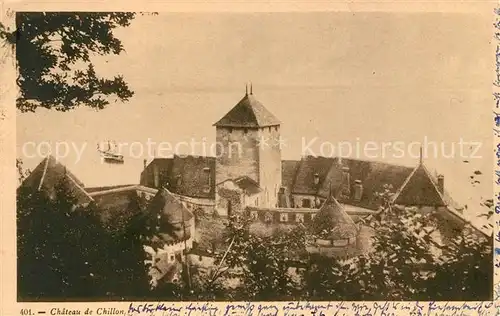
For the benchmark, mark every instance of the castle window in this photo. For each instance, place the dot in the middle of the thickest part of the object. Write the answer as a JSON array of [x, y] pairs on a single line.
[[299, 218], [200, 258], [245, 131], [283, 217], [306, 203], [230, 130], [276, 128], [269, 129], [172, 258]]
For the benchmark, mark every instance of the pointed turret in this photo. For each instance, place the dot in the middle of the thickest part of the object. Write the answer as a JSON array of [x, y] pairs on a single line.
[[249, 112], [332, 222], [174, 218]]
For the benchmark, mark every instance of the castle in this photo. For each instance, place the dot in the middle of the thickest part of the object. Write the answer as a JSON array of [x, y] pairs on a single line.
[[319, 192]]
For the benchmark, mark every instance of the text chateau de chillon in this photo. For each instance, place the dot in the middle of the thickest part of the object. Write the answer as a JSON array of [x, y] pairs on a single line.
[[276, 194]]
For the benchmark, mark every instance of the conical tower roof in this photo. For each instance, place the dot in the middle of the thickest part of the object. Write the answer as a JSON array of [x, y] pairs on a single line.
[[173, 217], [332, 221], [171, 210], [249, 112]]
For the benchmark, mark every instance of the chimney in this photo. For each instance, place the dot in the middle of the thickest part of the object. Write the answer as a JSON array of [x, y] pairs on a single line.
[[358, 190], [156, 176], [440, 183], [346, 183], [283, 198], [316, 179]]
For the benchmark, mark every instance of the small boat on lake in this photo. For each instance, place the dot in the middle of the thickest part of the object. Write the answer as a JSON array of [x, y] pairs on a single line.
[[111, 155]]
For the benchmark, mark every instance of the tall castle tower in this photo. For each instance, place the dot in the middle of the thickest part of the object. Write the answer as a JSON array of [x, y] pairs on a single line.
[[248, 145]]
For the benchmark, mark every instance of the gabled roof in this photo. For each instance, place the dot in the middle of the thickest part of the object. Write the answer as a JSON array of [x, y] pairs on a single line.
[[249, 112], [333, 222], [419, 190], [49, 174]]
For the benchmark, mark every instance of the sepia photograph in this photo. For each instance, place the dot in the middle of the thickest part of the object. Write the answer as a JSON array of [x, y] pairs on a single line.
[[265, 156]]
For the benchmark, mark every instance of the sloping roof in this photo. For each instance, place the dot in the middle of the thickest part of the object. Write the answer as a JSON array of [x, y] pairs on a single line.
[[373, 176], [333, 222], [249, 112], [419, 190], [307, 168], [49, 174]]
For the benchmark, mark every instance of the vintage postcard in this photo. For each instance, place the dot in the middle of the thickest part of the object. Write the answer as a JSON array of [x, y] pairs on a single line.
[[257, 160]]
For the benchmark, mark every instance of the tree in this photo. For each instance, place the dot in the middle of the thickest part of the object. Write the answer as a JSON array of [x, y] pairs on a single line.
[[129, 231], [54, 59], [61, 249], [263, 263], [467, 260], [21, 172], [66, 253]]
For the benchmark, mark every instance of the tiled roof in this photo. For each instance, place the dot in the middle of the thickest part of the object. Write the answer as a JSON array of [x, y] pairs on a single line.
[[373, 176], [299, 176], [419, 190], [49, 173], [248, 113], [333, 221], [308, 167]]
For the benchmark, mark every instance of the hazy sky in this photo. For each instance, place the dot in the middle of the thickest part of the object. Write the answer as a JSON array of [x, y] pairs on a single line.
[[336, 76]]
